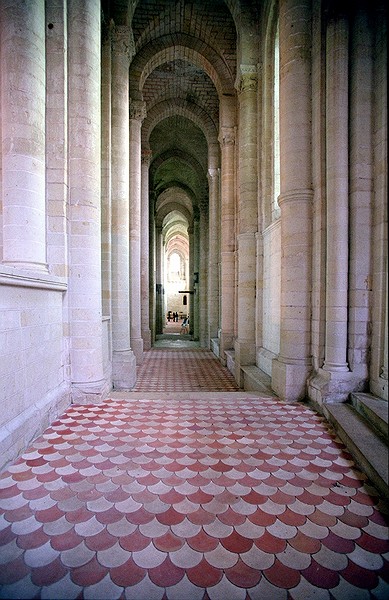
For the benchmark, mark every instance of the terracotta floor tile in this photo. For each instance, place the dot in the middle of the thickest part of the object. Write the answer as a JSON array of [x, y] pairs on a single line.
[[281, 576], [131, 494]]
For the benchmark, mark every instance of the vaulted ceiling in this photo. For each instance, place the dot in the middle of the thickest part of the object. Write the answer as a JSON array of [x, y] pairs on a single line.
[[185, 56]]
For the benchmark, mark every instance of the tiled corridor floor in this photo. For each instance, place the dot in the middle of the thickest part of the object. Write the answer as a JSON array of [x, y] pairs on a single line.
[[190, 496]]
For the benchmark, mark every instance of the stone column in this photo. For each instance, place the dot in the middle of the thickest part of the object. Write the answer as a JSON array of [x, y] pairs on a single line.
[[196, 275], [247, 219], [106, 180], [291, 369], [203, 275], [227, 240], [22, 35], [214, 252], [89, 382], [337, 197], [145, 250], [56, 138], [191, 281], [360, 196], [124, 364], [137, 114], [159, 304]]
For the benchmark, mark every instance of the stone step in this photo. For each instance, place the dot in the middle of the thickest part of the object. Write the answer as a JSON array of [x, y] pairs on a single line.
[[368, 448], [374, 410], [254, 379]]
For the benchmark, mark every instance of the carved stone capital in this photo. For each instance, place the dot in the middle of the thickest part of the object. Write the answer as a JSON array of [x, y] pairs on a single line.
[[137, 110], [248, 80], [123, 41], [146, 155], [227, 136]]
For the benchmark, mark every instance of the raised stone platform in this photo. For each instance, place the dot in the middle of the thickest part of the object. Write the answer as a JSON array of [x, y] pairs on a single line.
[[362, 424]]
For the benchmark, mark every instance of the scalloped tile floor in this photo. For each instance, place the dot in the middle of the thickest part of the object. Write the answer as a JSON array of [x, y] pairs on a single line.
[[190, 496]]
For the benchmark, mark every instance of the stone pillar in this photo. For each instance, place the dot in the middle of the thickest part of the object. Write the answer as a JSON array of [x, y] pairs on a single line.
[[89, 382], [380, 322], [203, 275], [106, 180], [137, 114], [360, 196], [145, 251], [124, 364], [337, 197], [214, 252], [159, 303], [22, 35], [191, 281], [293, 365], [196, 275], [227, 240], [56, 138], [247, 219]]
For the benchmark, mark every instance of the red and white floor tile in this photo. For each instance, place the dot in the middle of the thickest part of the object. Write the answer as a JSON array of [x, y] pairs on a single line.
[[218, 496]]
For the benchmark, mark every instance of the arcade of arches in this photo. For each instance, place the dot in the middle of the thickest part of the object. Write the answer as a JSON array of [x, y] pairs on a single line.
[[232, 149]]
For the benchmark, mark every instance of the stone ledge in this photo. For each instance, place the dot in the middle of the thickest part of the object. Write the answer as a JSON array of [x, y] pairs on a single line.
[[254, 379], [367, 448], [230, 358]]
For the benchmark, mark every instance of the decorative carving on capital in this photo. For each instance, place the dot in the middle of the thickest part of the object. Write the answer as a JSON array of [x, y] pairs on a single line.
[[137, 110], [248, 78], [123, 41], [227, 136]]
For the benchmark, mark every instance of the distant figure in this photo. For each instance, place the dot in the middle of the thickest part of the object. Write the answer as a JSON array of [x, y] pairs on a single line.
[[185, 326], [168, 315]]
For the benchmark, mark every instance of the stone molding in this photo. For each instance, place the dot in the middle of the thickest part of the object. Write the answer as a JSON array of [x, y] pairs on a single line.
[[296, 196], [10, 276]]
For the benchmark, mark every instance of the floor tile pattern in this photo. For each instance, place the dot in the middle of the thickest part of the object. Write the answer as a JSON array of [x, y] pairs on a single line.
[[179, 371], [227, 497]]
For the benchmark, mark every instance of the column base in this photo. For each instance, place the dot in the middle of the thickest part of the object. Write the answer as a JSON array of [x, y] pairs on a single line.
[[289, 381], [123, 370], [91, 392], [333, 386]]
